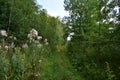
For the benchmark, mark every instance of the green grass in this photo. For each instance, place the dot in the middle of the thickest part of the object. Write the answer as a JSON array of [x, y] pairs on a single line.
[[56, 66], [25, 65]]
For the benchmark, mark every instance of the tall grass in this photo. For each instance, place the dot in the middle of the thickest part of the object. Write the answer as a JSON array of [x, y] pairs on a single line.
[[35, 63]]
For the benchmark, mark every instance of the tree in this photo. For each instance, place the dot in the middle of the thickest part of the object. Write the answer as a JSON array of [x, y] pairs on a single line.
[[17, 17], [92, 39], [4, 13]]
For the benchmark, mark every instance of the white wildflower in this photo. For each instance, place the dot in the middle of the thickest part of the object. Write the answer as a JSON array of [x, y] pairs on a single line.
[[37, 74], [39, 37], [92, 16], [111, 28], [24, 46], [34, 32], [72, 33], [45, 40], [29, 36], [10, 37], [69, 38], [98, 23], [70, 27], [104, 20], [3, 33], [40, 61], [6, 48], [14, 38]]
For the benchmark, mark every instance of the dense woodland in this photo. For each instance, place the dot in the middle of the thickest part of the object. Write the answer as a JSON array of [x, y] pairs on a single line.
[[82, 46]]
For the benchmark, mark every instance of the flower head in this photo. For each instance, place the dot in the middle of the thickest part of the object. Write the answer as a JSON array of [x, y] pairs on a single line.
[[24, 46], [39, 37], [3, 33], [6, 48], [34, 32]]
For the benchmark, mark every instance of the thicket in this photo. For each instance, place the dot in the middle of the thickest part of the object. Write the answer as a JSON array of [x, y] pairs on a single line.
[[83, 46], [31, 43], [93, 49]]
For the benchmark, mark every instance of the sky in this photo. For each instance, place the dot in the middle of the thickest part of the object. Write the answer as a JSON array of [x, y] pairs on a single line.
[[54, 7]]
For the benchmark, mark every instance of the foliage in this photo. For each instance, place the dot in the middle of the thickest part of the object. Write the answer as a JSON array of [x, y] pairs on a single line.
[[94, 43], [91, 51]]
